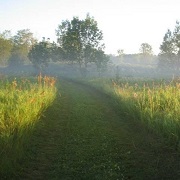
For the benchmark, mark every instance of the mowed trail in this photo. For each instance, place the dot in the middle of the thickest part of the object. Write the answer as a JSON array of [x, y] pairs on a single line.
[[83, 136]]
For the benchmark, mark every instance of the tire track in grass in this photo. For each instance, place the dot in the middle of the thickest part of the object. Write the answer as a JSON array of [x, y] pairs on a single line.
[[82, 136]]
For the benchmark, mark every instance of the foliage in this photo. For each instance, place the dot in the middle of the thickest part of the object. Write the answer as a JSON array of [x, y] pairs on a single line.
[[146, 53], [6, 34], [81, 40], [156, 103], [22, 43], [40, 54], [84, 136], [177, 44], [56, 52], [120, 54], [5, 50], [22, 104], [168, 52], [170, 49], [70, 41], [146, 49]]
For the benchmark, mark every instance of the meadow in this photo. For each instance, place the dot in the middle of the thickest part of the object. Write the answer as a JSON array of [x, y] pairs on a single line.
[[109, 128], [22, 103], [156, 103], [52, 128]]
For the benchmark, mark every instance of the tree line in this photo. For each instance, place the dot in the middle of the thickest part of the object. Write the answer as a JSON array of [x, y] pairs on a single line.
[[79, 41], [170, 49], [169, 56], [14, 49]]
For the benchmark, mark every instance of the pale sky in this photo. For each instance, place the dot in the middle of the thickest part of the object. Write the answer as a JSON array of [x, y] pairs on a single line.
[[125, 24]]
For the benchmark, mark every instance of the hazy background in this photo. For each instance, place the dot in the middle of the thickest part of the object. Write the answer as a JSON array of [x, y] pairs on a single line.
[[125, 23]]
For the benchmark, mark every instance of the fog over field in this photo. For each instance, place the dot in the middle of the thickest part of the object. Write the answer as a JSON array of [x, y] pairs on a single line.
[[97, 38], [89, 89]]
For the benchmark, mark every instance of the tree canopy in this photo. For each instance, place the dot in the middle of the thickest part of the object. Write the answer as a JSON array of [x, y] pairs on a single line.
[[22, 43], [40, 54], [169, 55], [146, 49], [5, 50], [81, 40]]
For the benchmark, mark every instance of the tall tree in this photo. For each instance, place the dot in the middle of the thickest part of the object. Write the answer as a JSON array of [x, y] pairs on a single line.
[[146, 53], [5, 50], [177, 44], [40, 54], [22, 43], [6, 34], [120, 54], [69, 39], [56, 52], [146, 49], [80, 40], [167, 54]]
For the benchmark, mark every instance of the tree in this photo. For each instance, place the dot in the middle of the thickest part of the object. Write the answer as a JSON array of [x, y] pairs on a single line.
[[40, 54], [101, 60], [56, 52], [146, 49], [5, 50], [69, 39], [177, 45], [22, 43], [80, 40], [146, 53], [167, 51], [169, 56], [6, 34], [120, 54]]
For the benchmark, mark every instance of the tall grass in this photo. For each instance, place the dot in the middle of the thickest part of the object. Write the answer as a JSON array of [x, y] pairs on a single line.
[[22, 102], [158, 104], [155, 102]]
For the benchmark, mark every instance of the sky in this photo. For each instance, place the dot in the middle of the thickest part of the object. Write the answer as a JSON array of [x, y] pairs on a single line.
[[125, 24]]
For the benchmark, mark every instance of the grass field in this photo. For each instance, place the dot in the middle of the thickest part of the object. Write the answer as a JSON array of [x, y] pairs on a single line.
[[22, 102], [92, 131], [155, 102]]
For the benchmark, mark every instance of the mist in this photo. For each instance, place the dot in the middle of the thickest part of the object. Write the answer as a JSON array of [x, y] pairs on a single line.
[[113, 69]]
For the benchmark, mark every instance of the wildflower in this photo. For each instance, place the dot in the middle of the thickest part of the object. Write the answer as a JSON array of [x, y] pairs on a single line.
[[14, 83], [135, 95]]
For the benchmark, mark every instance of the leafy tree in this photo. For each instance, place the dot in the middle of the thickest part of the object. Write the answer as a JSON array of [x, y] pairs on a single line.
[[69, 39], [167, 50], [80, 40], [146, 53], [101, 60], [146, 49], [177, 45], [120, 54], [169, 56], [56, 52], [22, 43], [40, 54], [91, 38], [6, 34], [5, 48]]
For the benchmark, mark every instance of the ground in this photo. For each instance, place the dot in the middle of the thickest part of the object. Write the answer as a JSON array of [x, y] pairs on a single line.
[[84, 136]]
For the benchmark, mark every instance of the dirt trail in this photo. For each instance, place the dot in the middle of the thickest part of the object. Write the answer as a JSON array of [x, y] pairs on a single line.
[[83, 136]]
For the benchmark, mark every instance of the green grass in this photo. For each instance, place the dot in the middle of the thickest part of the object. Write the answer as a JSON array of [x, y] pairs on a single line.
[[87, 134], [83, 135], [22, 103], [156, 103]]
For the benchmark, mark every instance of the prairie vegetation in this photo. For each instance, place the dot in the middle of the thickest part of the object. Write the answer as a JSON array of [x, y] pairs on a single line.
[[85, 130], [22, 102], [155, 103], [83, 135]]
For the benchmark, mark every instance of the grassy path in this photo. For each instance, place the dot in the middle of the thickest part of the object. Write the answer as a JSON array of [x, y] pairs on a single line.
[[83, 137]]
